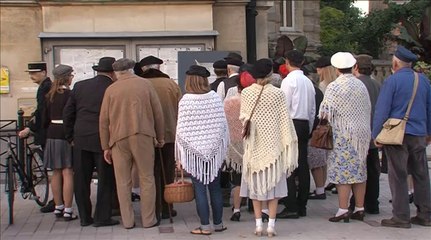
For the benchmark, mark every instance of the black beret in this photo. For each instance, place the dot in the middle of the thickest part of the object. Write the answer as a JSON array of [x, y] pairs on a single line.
[[262, 68], [234, 62], [220, 64], [198, 71], [323, 62], [233, 55], [150, 60], [36, 67]]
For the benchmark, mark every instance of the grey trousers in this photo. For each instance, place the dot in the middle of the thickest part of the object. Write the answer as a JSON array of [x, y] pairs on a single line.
[[410, 157]]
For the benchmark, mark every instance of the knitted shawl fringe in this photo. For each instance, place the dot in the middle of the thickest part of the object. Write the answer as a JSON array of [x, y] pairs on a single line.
[[204, 169], [234, 159]]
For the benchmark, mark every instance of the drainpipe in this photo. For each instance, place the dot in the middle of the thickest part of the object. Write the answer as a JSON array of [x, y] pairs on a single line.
[[250, 23]]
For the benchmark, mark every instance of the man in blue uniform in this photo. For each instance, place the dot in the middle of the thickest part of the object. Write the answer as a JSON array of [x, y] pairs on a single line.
[[392, 103]]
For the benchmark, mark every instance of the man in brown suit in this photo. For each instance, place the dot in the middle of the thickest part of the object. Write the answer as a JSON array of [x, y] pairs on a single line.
[[131, 123], [169, 94]]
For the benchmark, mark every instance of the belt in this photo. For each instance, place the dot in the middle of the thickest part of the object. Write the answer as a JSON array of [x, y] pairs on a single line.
[[57, 121], [300, 120]]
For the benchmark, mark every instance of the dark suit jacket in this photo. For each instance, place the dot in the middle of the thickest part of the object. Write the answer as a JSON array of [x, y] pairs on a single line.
[[81, 113], [35, 124]]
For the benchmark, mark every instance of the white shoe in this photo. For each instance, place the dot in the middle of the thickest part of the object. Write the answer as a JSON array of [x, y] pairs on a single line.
[[258, 231], [271, 232]]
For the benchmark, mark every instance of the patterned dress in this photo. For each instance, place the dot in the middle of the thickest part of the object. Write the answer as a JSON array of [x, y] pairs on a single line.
[[347, 106]]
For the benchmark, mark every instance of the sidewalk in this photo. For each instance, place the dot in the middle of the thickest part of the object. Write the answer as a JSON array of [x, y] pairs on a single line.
[[30, 223]]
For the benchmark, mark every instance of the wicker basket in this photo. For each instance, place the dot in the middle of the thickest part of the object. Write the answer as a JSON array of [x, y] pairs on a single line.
[[179, 191]]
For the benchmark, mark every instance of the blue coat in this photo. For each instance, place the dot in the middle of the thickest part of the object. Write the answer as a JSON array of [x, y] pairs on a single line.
[[393, 100]]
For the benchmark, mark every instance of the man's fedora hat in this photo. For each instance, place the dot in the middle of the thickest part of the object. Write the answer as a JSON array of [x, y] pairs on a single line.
[[36, 67], [150, 60], [105, 65], [233, 55]]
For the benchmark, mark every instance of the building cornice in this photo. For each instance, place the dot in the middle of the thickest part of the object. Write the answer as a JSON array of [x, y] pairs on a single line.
[[146, 34]]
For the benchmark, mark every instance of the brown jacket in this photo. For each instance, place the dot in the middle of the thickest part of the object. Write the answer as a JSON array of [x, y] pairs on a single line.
[[169, 94], [130, 106]]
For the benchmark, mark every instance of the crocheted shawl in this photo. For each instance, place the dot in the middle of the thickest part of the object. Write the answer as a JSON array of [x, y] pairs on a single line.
[[202, 135], [271, 150], [236, 150], [348, 109]]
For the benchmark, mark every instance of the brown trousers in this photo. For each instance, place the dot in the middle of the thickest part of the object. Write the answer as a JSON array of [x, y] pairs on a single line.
[[139, 150]]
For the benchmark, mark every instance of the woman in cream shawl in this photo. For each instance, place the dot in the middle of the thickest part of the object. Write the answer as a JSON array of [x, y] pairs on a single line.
[[271, 150], [346, 105]]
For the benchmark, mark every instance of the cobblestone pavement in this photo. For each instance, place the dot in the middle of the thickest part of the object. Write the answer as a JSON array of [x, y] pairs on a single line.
[[30, 223]]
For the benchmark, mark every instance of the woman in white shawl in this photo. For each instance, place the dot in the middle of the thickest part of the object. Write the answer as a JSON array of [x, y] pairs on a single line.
[[346, 105], [271, 149], [201, 142]]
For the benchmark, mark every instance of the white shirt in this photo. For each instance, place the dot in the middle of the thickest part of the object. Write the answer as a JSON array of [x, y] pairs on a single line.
[[220, 87], [300, 96]]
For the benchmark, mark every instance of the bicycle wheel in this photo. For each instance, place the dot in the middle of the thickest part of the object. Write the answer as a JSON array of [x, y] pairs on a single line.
[[40, 179], [10, 187]]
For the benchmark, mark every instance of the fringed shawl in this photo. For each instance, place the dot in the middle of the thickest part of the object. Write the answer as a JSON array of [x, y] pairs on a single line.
[[202, 135], [347, 107], [271, 150], [236, 149]]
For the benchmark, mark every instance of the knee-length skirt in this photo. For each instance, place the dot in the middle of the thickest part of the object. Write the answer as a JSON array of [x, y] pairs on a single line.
[[57, 154]]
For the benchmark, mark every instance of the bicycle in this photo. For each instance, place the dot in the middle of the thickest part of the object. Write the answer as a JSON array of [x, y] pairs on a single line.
[[32, 175]]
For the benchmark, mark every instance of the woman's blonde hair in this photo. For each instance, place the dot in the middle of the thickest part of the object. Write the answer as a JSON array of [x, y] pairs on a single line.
[[197, 84], [263, 81], [327, 75]]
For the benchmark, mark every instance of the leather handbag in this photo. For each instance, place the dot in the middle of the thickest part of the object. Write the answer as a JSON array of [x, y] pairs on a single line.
[[322, 136], [247, 124], [393, 129]]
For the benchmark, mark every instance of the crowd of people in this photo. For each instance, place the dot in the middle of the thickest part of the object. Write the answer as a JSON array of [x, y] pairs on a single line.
[[132, 123]]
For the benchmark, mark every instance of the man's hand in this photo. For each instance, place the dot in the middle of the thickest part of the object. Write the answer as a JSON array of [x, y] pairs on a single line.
[[24, 133], [107, 154], [159, 143], [379, 145]]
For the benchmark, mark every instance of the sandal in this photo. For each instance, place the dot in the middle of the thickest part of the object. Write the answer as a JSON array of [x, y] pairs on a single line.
[[58, 212], [220, 229], [69, 216], [200, 231]]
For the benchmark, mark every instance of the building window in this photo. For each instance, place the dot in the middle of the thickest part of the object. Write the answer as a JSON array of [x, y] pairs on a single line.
[[287, 15]]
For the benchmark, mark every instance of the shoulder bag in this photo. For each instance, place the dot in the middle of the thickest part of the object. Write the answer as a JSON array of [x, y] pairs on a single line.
[[393, 129], [246, 127], [322, 136]]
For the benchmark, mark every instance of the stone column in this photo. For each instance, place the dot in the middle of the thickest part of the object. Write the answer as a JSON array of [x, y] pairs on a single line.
[[262, 28], [229, 21]]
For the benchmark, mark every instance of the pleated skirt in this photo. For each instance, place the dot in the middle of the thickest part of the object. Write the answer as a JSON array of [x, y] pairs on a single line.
[[57, 154]]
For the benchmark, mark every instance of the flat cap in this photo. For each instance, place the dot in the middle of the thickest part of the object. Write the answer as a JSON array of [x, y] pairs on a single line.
[[343, 60], [123, 64], [262, 68], [405, 55], [364, 61], [150, 60], [61, 71], [220, 64], [323, 62], [36, 67], [196, 70]]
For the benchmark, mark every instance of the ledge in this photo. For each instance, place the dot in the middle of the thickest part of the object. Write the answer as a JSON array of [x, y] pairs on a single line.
[[149, 34]]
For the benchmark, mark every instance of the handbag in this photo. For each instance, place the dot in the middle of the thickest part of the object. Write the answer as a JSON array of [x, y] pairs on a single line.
[[393, 129], [322, 136], [247, 124], [179, 191]]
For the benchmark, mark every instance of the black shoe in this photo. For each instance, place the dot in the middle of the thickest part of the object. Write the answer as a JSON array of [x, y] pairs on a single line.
[[392, 223], [165, 215], [420, 221], [110, 222], [155, 224], [329, 187], [302, 213], [235, 217], [50, 207], [287, 215], [345, 217], [135, 197], [411, 198], [359, 215], [86, 223], [265, 217], [315, 196]]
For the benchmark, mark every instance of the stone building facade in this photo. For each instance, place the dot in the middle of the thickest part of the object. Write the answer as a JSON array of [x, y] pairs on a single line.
[[78, 32]]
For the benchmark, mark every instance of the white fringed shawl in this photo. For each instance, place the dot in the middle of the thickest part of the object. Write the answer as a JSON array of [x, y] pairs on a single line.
[[347, 106], [271, 150], [202, 135], [236, 147]]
